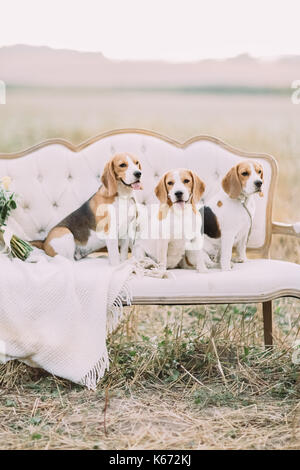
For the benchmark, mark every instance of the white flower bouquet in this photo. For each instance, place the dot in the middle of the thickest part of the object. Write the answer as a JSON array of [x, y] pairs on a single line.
[[12, 244]]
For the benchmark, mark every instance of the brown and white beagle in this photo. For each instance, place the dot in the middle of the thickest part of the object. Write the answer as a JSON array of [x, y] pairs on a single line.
[[228, 215], [103, 220], [175, 223]]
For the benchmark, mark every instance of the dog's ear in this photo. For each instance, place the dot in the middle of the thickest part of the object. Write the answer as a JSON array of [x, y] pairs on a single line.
[[197, 190], [231, 183], [161, 190], [162, 195], [140, 168], [163, 210], [109, 179]]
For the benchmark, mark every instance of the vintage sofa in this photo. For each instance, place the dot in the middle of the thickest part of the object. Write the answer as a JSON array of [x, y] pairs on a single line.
[[55, 177]]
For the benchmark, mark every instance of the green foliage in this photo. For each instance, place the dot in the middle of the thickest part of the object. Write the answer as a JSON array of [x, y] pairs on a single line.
[[10, 403], [7, 204], [18, 248]]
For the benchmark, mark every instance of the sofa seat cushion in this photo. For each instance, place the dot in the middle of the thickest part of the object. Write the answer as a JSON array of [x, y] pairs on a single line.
[[256, 280]]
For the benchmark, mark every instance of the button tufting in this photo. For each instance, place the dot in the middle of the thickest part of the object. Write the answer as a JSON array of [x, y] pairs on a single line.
[[217, 174], [40, 177], [156, 175], [55, 204], [70, 177], [143, 149], [112, 149], [42, 230], [26, 206]]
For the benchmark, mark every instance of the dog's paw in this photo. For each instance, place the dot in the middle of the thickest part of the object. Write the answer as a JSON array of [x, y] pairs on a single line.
[[239, 260], [201, 266], [202, 270], [212, 264], [169, 275], [114, 262], [227, 267]]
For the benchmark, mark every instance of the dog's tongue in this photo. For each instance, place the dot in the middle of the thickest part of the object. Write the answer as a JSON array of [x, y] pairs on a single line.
[[136, 185], [180, 204]]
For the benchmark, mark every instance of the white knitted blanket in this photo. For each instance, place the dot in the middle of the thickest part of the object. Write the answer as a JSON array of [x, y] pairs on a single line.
[[55, 313]]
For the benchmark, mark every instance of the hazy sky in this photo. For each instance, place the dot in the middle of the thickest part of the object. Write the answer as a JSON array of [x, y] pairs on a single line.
[[155, 29]]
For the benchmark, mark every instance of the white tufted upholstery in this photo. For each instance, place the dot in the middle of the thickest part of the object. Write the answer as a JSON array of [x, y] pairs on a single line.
[[53, 180]]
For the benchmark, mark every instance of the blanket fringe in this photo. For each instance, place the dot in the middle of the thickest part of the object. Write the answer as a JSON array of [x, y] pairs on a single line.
[[114, 315], [91, 379], [115, 312], [144, 267]]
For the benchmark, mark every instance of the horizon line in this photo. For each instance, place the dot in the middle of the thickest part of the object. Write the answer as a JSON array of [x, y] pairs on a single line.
[[246, 55]]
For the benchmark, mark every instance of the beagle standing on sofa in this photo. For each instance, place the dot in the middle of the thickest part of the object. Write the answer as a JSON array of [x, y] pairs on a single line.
[[103, 220], [228, 215], [175, 223]]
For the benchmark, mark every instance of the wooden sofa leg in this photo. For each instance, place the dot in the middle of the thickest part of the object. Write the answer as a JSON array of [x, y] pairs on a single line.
[[267, 316]]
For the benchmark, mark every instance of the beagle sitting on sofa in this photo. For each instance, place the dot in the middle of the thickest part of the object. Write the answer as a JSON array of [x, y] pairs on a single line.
[[228, 215], [173, 225], [103, 220]]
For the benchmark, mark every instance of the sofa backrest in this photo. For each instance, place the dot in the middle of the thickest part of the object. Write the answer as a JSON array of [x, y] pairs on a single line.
[[54, 178]]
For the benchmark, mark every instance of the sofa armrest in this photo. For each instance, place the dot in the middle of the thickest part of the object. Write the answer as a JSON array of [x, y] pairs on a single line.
[[279, 228]]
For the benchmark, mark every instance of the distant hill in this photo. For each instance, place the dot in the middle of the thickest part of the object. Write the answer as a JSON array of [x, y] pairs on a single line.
[[43, 66]]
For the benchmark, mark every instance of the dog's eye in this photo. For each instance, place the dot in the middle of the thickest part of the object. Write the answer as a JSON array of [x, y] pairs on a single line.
[[245, 173], [123, 165], [170, 183], [137, 163], [259, 172], [186, 181]]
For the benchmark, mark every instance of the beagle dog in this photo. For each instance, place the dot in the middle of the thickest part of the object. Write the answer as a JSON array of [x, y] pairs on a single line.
[[175, 223], [228, 215], [103, 220]]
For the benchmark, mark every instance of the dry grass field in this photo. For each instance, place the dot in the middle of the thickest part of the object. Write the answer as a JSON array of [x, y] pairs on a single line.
[[181, 377]]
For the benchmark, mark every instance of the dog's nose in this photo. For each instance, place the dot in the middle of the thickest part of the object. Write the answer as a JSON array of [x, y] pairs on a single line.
[[179, 194], [137, 174], [258, 184]]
